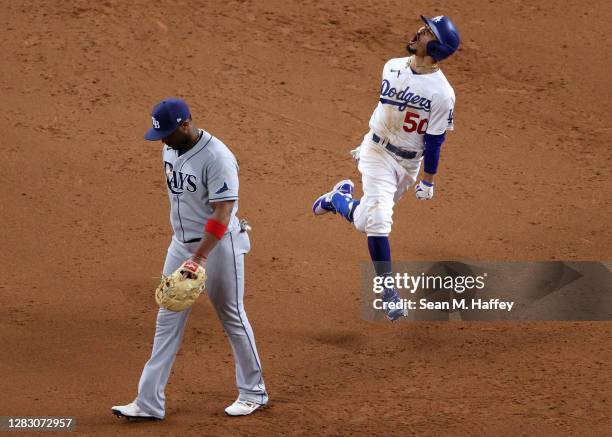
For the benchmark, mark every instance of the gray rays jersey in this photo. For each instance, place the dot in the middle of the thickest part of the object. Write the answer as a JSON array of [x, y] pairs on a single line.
[[205, 174]]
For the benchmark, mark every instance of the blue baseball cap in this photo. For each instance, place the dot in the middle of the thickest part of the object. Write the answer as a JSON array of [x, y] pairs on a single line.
[[166, 117]]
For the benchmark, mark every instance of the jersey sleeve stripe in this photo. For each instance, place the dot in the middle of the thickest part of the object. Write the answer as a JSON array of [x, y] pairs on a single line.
[[217, 199]]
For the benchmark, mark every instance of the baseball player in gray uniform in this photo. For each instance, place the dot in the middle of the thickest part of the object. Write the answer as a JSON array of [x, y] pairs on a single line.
[[202, 179]]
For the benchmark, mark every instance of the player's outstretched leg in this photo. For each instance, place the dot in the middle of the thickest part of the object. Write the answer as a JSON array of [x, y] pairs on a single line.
[[338, 201]]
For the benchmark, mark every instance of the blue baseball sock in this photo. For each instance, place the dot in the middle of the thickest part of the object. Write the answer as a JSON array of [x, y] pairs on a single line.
[[380, 252], [345, 205]]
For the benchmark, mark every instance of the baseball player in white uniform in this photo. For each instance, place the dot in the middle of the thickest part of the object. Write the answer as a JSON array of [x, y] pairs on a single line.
[[407, 127], [202, 181]]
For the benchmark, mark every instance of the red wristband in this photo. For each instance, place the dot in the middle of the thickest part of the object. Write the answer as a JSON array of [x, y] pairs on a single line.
[[216, 228]]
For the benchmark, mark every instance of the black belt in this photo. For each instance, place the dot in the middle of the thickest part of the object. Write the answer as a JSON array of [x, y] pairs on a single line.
[[396, 150]]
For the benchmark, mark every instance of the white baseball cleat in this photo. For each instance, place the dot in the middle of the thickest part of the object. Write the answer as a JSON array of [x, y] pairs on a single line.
[[242, 408], [132, 411]]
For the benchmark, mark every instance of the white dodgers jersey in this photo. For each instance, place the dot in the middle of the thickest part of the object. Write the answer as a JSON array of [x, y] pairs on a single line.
[[412, 105]]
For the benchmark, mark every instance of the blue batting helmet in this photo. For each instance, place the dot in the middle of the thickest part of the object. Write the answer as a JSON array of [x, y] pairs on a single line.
[[447, 36]]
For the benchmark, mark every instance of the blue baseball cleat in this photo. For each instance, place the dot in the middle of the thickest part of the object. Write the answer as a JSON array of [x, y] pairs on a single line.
[[391, 295], [323, 204]]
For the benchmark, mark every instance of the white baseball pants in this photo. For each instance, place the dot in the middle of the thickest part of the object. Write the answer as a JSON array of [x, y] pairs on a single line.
[[385, 178]]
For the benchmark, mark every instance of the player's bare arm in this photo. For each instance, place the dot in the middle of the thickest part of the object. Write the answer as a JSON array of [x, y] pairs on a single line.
[[222, 215], [428, 177]]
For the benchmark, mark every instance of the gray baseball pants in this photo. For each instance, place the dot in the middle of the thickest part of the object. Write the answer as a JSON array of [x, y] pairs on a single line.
[[225, 288]]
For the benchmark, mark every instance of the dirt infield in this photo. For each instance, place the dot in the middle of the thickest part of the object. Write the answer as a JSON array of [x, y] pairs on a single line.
[[290, 86]]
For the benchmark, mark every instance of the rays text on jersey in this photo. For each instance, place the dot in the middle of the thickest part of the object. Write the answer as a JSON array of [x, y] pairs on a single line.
[[178, 181]]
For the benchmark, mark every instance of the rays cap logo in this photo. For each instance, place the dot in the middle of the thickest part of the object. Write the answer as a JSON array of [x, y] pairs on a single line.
[[166, 116]]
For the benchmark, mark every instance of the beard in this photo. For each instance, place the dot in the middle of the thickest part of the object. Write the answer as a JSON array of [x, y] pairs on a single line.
[[410, 47], [180, 144]]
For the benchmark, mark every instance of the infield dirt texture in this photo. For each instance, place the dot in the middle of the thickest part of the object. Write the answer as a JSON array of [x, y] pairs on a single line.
[[290, 86]]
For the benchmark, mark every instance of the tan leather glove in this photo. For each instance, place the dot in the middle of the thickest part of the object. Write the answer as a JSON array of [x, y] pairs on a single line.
[[180, 290]]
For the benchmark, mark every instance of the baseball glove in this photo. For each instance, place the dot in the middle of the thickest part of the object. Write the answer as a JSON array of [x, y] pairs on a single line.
[[180, 290]]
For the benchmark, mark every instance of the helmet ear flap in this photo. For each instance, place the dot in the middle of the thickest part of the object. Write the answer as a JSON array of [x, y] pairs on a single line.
[[438, 51]]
